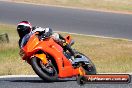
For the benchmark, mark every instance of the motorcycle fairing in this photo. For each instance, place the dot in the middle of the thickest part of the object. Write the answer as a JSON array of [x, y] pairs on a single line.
[[56, 51]]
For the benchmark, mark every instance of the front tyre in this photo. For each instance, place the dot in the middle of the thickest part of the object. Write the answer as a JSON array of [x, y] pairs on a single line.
[[46, 72]]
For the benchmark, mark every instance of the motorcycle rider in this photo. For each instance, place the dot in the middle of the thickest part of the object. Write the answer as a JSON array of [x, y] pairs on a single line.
[[25, 27]]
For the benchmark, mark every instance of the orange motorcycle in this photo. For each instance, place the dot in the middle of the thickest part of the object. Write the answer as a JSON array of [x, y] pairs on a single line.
[[50, 61]]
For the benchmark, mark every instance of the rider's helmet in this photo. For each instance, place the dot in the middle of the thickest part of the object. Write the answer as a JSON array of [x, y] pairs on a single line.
[[23, 28]]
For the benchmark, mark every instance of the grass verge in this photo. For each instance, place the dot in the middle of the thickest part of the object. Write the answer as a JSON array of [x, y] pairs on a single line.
[[111, 5], [10, 62], [109, 55]]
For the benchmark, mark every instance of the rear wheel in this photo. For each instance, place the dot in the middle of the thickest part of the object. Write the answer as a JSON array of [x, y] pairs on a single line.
[[89, 68], [45, 71]]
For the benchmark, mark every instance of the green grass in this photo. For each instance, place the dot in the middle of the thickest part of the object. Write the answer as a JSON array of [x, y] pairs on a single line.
[[114, 5], [109, 55], [10, 62]]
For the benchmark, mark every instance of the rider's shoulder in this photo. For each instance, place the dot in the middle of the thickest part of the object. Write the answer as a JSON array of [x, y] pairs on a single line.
[[37, 29]]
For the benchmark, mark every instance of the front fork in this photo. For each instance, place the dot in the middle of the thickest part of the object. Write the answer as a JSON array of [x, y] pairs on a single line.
[[42, 57]]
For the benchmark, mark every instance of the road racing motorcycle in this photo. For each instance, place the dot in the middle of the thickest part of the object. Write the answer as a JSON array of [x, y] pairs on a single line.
[[50, 61]]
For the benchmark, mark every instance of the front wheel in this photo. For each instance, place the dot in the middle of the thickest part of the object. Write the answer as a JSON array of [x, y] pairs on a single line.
[[46, 72]]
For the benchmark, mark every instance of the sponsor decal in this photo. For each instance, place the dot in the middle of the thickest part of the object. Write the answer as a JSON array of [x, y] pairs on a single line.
[[104, 78]]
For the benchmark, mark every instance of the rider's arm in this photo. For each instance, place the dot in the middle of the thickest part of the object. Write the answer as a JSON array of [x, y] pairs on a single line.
[[19, 42], [38, 29], [57, 37]]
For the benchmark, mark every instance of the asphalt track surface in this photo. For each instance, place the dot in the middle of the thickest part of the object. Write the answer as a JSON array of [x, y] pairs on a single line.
[[36, 82], [69, 20]]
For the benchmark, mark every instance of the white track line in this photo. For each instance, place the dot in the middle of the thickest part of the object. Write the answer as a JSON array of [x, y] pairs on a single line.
[[94, 36], [72, 7], [28, 76], [17, 76]]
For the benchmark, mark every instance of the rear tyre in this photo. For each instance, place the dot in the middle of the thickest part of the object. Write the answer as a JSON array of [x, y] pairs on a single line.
[[89, 68], [81, 80], [46, 72]]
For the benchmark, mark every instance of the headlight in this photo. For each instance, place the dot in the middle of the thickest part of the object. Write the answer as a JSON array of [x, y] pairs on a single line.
[[22, 53]]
